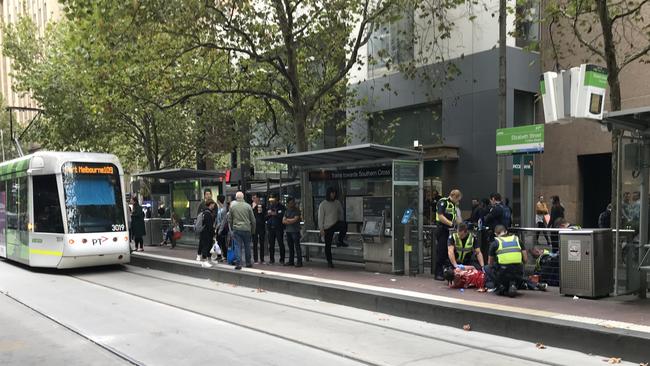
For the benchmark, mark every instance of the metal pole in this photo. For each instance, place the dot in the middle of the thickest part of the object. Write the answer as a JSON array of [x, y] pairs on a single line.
[[617, 225], [643, 218], [2, 141], [421, 214], [503, 94]]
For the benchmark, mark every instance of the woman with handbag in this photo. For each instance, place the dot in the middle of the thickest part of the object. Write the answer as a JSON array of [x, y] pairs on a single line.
[[174, 231]]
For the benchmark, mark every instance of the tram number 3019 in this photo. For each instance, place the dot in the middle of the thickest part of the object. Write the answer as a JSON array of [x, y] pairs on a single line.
[[119, 227]]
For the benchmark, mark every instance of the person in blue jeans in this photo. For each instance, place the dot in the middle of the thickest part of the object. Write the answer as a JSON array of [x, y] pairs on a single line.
[[291, 220], [241, 221]]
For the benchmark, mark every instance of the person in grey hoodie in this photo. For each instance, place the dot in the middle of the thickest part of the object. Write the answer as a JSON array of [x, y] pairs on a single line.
[[331, 220], [241, 221]]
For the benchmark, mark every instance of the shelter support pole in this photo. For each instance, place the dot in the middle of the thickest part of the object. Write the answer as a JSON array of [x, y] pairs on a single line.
[[643, 218], [421, 215]]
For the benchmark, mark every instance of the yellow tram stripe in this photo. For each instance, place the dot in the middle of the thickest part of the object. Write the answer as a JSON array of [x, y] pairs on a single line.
[[45, 252]]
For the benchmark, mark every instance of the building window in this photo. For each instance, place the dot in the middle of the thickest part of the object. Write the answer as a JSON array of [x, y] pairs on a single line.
[[527, 24], [524, 108], [400, 127], [392, 43]]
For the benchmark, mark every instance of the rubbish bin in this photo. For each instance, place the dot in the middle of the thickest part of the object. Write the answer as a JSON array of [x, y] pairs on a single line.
[[586, 262]]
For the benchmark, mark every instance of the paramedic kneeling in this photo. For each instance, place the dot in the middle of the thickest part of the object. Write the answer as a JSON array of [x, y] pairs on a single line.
[[460, 247], [505, 263]]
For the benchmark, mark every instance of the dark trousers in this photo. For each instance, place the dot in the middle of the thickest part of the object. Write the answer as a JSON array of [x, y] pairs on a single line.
[[501, 277], [340, 227], [139, 241], [442, 259], [258, 241], [222, 240], [541, 225], [293, 242], [276, 235], [205, 244]]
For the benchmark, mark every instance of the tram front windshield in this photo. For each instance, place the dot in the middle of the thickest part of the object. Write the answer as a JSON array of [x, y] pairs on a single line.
[[93, 198]]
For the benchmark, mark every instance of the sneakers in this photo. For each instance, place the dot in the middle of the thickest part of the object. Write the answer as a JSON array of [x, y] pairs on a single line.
[[249, 266], [512, 290], [206, 264], [542, 286], [198, 257]]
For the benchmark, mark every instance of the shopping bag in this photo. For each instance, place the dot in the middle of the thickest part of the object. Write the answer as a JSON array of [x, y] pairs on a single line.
[[231, 257], [547, 219], [215, 249], [176, 235]]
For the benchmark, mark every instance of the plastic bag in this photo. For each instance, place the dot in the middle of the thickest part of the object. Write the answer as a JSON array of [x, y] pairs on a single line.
[[216, 249]]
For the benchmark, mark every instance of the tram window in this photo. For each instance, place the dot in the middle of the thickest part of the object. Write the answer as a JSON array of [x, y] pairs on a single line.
[[93, 198], [47, 206], [23, 212], [12, 204]]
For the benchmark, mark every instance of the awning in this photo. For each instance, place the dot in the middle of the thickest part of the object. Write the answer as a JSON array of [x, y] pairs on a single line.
[[181, 174], [635, 120], [344, 156], [440, 152]]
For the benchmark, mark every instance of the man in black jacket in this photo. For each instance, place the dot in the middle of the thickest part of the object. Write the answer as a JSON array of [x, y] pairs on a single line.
[[259, 210], [274, 216]]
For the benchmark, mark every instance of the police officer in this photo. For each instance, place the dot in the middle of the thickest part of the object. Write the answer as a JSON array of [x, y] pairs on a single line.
[[506, 260], [446, 218], [460, 247]]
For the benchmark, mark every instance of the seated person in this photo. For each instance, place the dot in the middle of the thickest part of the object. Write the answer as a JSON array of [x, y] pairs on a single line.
[[506, 260], [463, 249], [562, 223]]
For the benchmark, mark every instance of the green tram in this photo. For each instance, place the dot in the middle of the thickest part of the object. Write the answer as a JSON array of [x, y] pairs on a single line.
[[63, 210]]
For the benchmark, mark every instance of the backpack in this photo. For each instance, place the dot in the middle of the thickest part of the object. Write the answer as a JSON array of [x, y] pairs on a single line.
[[199, 224]]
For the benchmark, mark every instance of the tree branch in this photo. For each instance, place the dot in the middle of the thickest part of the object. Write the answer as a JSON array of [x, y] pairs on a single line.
[[636, 56], [630, 12]]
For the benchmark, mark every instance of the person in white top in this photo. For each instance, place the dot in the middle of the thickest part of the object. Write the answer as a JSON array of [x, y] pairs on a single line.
[[331, 220]]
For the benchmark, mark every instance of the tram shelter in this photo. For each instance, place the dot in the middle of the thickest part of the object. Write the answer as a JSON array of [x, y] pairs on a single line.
[[632, 257], [178, 191], [381, 190]]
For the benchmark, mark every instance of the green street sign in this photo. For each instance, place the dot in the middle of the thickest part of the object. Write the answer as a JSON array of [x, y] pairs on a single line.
[[528, 164], [520, 140]]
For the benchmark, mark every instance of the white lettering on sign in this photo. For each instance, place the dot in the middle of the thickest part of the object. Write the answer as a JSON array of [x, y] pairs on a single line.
[[574, 250]]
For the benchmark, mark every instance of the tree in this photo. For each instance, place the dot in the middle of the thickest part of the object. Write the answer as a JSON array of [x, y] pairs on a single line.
[[615, 32], [90, 105]]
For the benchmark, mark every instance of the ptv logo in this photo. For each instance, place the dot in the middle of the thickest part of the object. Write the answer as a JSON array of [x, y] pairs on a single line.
[[99, 241]]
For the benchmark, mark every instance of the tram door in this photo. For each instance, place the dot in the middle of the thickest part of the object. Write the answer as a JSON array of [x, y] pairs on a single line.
[[3, 220], [47, 240]]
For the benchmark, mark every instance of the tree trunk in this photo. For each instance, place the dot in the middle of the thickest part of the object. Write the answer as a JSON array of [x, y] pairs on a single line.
[[613, 71]]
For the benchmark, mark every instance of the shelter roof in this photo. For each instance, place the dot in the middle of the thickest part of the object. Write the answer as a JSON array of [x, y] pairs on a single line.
[[344, 156]]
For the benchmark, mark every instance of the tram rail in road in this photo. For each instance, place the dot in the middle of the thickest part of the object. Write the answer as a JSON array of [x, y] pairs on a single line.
[[148, 317]]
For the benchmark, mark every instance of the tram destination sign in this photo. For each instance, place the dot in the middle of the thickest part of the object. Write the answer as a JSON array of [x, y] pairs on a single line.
[[89, 169], [520, 140]]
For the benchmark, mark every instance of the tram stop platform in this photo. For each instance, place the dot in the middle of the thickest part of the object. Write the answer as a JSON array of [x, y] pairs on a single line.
[[613, 326]]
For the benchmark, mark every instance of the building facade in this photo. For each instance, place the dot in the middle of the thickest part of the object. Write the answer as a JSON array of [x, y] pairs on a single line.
[[41, 12], [450, 106]]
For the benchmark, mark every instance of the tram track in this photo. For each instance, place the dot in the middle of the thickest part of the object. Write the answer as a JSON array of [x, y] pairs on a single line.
[[299, 308], [121, 355]]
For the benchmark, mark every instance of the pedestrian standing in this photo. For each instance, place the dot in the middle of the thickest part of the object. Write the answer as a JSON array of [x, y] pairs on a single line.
[[137, 224], [221, 226], [207, 195], [446, 218], [242, 224], [331, 220], [206, 235], [274, 216], [557, 210], [291, 221], [259, 210], [541, 210]]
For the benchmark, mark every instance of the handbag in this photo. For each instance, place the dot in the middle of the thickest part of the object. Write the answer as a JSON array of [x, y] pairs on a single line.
[[176, 235]]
